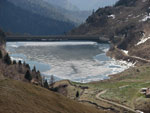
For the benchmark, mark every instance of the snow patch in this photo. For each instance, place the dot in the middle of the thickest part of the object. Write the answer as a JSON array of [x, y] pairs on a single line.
[[16, 59], [143, 40], [125, 51], [145, 18], [112, 16]]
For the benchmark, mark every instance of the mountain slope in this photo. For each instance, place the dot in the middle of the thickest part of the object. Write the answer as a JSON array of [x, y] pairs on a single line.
[[92, 4], [40, 7], [66, 4], [17, 20], [125, 24], [19, 97], [58, 10]]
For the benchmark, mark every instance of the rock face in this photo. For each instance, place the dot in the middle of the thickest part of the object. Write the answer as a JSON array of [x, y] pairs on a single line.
[[125, 24]]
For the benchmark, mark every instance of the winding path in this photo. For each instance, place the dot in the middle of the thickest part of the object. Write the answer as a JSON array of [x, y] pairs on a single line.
[[113, 103], [133, 57]]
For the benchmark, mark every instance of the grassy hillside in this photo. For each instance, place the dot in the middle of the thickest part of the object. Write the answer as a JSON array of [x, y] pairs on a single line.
[[123, 88], [19, 97]]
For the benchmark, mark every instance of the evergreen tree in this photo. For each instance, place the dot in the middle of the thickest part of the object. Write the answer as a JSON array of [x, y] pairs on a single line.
[[77, 94], [14, 62], [20, 63], [52, 80], [34, 69], [28, 76], [28, 66], [46, 84], [1, 55], [24, 63], [7, 59]]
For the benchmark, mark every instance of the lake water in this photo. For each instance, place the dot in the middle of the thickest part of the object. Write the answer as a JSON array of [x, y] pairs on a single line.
[[76, 61]]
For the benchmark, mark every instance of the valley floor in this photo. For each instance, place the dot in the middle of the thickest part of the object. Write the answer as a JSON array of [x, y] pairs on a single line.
[[121, 93]]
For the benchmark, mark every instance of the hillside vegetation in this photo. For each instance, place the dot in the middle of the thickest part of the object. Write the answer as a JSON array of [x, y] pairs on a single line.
[[19, 97]]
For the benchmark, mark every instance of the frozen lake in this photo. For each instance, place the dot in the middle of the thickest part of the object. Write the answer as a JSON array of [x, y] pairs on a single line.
[[76, 61]]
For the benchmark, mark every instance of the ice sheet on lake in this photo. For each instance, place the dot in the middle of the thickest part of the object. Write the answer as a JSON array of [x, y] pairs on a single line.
[[76, 61]]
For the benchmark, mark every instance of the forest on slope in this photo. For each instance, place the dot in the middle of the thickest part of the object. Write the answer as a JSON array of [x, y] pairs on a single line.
[[18, 20]]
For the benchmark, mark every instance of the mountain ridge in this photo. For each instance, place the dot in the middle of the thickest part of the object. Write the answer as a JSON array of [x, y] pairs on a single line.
[[16, 20]]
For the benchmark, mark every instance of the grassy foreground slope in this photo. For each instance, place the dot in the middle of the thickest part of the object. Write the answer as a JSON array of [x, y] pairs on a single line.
[[20, 97]]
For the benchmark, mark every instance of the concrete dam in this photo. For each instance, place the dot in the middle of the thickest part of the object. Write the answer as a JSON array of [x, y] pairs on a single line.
[[57, 38]]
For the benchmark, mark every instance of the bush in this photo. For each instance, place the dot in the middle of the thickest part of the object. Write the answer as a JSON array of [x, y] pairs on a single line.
[[7, 59]]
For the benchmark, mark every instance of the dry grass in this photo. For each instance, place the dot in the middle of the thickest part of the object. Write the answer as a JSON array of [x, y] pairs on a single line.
[[19, 97]]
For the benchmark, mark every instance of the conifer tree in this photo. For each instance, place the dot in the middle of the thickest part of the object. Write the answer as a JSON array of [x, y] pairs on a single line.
[[28, 66], [52, 80], [46, 84], [28, 76], [34, 69], [20, 63], [1, 55], [77, 94], [14, 62], [7, 59], [24, 63]]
